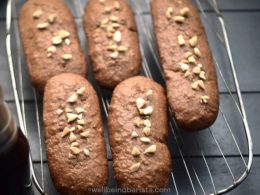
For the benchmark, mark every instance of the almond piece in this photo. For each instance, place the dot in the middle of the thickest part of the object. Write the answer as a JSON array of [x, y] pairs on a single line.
[[193, 41], [63, 34], [72, 137], [147, 131], [65, 132], [72, 129], [51, 49], [197, 52], [108, 9], [79, 127], [80, 116], [202, 75], [71, 117], [81, 121], [185, 11], [195, 85], [169, 13], [201, 84], [72, 156], [192, 60], [59, 111], [114, 18], [66, 57], [145, 139], [181, 40], [75, 150], [56, 40], [138, 122], [74, 144], [146, 111], [196, 70], [73, 98], [135, 151], [204, 99], [179, 19], [134, 134], [187, 73], [105, 21], [140, 102], [122, 49], [67, 41], [150, 150], [37, 14], [51, 18], [117, 6], [149, 93], [81, 91], [112, 48], [86, 152], [42, 26], [110, 29], [184, 67], [115, 25], [187, 54], [79, 110], [147, 123], [117, 37], [114, 55], [85, 134], [135, 167]]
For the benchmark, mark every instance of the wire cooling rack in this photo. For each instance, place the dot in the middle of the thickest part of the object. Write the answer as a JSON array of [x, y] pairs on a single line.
[[194, 170]]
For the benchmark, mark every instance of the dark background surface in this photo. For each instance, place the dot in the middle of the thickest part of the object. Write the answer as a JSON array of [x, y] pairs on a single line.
[[242, 20]]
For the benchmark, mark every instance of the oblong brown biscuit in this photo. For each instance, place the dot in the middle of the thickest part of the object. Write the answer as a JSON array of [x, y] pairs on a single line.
[[130, 133], [187, 63], [50, 41], [73, 130], [112, 41]]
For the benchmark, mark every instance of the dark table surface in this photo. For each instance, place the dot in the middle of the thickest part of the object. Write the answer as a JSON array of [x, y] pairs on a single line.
[[242, 20]]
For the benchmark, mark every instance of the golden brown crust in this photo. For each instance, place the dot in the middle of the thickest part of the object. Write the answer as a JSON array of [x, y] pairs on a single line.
[[81, 173], [190, 112], [155, 168], [41, 64], [109, 71]]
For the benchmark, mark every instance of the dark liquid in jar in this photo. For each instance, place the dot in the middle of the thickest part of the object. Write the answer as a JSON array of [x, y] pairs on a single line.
[[14, 168]]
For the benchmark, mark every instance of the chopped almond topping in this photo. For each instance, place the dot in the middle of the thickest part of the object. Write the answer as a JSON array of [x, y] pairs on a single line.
[[81, 91], [150, 150], [66, 57], [169, 13], [204, 99], [185, 11], [181, 40], [43, 26], [193, 41], [72, 137], [135, 151], [134, 134], [37, 14], [135, 167], [73, 98], [179, 19], [140, 102], [51, 18]]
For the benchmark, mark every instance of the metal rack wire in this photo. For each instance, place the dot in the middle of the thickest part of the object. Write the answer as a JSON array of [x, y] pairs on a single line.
[[192, 173]]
